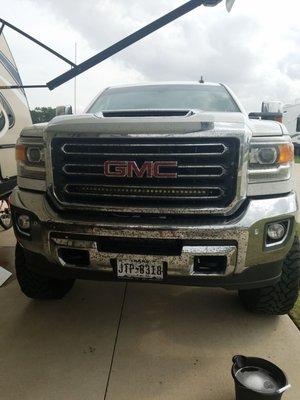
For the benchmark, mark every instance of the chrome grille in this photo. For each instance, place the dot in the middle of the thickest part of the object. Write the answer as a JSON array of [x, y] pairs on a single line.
[[205, 170]]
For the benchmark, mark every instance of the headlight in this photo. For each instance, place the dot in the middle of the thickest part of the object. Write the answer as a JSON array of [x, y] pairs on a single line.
[[265, 154], [270, 166], [35, 155], [270, 162], [30, 159]]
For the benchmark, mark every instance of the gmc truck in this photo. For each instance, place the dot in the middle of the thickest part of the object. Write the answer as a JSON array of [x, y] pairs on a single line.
[[169, 183]]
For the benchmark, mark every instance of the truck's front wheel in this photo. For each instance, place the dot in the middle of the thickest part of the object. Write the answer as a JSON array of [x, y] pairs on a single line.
[[37, 286], [280, 298]]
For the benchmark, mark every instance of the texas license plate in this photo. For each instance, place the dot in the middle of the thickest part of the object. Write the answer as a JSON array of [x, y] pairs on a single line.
[[140, 269]]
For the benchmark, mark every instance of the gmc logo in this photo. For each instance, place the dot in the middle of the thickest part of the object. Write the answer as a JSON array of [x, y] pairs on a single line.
[[130, 169]]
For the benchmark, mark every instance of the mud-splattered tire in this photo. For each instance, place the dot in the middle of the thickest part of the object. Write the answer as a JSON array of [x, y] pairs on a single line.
[[280, 298], [37, 286]]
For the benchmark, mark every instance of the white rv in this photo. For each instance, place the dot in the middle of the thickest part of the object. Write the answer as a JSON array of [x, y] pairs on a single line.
[[14, 116], [291, 119]]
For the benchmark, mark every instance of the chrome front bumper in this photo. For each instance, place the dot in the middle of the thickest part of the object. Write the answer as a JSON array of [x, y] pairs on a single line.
[[240, 239], [182, 265]]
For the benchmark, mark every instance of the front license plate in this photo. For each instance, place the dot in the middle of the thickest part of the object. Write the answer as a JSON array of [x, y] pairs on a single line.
[[140, 269]]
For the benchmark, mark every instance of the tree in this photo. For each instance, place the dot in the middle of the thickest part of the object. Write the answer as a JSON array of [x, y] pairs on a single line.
[[42, 114]]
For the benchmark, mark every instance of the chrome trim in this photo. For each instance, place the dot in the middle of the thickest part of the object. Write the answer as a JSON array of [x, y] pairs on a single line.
[[150, 188], [225, 149], [202, 166], [31, 184], [31, 141], [149, 154], [220, 167], [229, 251], [270, 174], [228, 131], [247, 230], [32, 168], [182, 265], [270, 188], [200, 176], [146, 145], [269, 141]]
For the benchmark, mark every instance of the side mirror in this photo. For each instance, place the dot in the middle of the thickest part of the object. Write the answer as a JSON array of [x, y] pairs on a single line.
[[63, 110], [272, 107], [270, 111], [267, 116]]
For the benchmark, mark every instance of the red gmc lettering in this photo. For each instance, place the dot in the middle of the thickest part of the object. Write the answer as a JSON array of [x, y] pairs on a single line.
[[130, 169], [134, 170], [115, 168], [160, 164]]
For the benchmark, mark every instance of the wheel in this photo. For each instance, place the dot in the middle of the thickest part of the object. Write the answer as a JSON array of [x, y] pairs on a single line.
[[5, 214], [37, 286], [280, 298]]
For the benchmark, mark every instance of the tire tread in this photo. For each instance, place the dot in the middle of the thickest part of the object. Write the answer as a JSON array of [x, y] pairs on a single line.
[[280, 298]]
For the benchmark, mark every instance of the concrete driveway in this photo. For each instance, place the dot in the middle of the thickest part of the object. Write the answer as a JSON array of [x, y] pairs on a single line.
[[133, 341]]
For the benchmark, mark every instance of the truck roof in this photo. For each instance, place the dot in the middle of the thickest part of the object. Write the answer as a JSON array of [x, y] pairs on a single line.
[[163, 83]]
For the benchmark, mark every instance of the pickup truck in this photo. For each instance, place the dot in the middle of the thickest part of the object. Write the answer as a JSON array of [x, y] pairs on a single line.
[[168, 183]]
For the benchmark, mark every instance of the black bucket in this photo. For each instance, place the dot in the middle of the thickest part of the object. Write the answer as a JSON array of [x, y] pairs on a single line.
[[258, 379]]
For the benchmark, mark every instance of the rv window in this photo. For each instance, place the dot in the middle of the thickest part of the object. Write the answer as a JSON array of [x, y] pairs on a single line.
[[298, 125], [2, 121], [8, 110]]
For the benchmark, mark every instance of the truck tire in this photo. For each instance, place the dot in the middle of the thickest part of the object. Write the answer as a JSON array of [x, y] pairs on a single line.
[[36, 286], [280, 298]]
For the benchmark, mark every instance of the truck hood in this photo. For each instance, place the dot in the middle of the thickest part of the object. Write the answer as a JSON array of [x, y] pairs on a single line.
[[193, 121], [35, 130], [265, 128]]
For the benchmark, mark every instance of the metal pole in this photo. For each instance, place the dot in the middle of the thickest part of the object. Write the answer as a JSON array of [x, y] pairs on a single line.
[[75, 82], [23, 87], [36, 41], [126, 42]]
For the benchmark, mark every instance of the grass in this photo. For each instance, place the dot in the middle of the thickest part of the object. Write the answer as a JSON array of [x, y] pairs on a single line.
[[297, 159]]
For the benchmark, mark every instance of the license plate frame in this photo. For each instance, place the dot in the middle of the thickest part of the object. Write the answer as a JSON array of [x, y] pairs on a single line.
[[140, 269]]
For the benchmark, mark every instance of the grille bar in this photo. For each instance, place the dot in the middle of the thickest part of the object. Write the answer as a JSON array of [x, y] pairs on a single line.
[[139, 191], [215, 170], [195, 172], [146, 154], [211, 148], [144, 145]]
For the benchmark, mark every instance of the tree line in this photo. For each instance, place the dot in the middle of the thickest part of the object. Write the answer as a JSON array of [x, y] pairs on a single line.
[[42, 114]]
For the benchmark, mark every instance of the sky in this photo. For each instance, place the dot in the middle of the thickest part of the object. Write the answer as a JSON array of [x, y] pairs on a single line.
[[254, 49]]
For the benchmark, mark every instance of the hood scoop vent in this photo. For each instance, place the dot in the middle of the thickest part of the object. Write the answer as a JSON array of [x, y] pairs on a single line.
[[147, 113]]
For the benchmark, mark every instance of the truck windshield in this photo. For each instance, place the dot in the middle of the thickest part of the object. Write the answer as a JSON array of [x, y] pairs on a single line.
[[167, 97]]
